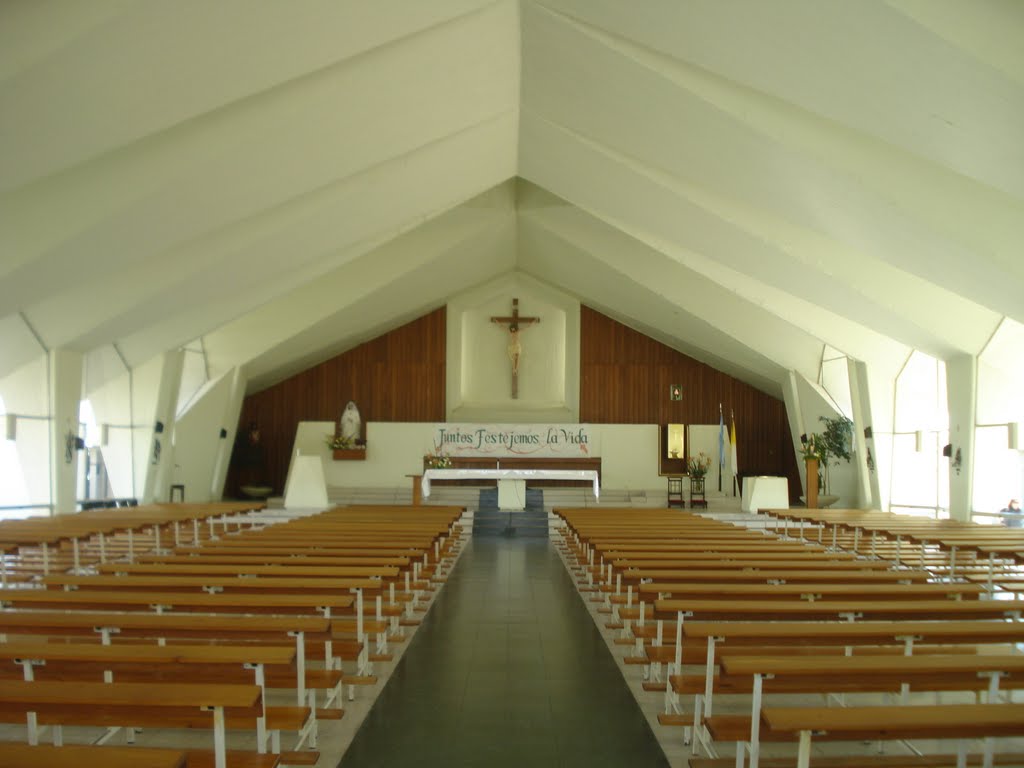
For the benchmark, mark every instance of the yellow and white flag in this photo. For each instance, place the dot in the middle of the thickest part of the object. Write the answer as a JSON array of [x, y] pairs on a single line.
[[732, 448]]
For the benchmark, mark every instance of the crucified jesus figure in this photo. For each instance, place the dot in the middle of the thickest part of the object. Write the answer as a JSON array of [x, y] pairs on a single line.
[[515, 346]]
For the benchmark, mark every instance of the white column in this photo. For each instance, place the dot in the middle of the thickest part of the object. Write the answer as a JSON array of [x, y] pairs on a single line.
[[229, 422], [160, 465], [65, 392], [791, 396], [868, 496], [961, 392]]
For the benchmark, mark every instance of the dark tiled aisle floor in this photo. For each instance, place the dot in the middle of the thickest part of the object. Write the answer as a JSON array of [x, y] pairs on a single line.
[[508, 669]]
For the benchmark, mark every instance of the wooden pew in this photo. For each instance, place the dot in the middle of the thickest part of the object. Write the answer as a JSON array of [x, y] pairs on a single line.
[[78, 755], [298, 630], [807, 674], [177, 601], [130, 705], [90, 662], [937, 721]]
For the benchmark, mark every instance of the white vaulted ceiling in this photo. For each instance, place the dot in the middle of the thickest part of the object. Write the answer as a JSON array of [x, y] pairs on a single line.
[[746, 181]]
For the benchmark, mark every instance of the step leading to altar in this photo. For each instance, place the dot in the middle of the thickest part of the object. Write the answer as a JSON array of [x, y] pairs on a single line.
[[531, 521]]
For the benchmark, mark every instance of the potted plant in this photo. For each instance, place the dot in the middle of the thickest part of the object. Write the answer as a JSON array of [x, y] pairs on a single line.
[[697, 466], [834, 445]]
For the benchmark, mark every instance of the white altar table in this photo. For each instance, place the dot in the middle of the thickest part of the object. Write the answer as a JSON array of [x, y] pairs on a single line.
[[764, 493], [514, 494]]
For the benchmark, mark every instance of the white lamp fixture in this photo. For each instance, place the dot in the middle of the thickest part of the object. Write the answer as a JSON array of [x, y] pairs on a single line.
[[919, 441]]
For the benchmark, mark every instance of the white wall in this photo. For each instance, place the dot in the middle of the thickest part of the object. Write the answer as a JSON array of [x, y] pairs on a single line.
[[25, 472], [628, 452], [479, 371]]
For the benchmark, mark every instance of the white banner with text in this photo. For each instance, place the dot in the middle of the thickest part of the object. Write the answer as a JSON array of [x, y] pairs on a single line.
[[542, 440]]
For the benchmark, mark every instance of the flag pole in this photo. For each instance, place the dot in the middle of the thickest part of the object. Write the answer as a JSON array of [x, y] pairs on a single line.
[[721, 448]]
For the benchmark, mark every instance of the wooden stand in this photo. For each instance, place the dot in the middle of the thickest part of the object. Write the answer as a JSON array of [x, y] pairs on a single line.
[[675, 492], [812, 483], [417, 490]]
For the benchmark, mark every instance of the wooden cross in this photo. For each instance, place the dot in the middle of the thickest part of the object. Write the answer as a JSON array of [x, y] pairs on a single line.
[[515, 348]]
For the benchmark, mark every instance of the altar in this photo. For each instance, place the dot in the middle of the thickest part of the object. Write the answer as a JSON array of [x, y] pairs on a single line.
[[764, 493], [511, 482]]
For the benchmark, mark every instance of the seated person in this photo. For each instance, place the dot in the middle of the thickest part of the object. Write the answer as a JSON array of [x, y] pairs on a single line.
[[1012, 514]]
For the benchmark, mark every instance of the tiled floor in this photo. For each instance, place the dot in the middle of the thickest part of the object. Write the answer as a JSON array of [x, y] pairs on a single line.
[[507, 669]]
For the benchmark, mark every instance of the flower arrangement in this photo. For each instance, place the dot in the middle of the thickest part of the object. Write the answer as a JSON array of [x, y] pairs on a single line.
[[697, 466], [339, 443], [809, 450], [436, 461]]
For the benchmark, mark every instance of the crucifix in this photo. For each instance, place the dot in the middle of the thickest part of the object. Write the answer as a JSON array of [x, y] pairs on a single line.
[[515, 348]]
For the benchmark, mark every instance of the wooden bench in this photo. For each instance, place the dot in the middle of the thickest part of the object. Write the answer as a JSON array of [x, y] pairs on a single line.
[[863, 761], [76, 755], [261, 665], [130, 705], [807, 674], [298, 630], [177, 601], [707, 638], [939, 721]]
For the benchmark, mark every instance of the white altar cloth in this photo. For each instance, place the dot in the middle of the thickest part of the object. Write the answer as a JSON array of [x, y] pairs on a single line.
[[510, 474], [764, 493]]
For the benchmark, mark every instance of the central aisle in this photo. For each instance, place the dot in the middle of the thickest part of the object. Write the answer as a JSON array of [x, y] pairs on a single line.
[[508, 669]]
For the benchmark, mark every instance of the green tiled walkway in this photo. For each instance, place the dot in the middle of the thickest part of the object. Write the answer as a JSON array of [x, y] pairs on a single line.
[[508, 669]]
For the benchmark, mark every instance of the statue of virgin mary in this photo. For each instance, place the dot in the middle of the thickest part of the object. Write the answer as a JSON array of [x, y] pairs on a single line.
[[350, 424]]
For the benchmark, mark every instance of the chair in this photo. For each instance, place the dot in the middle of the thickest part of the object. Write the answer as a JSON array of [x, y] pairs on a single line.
[[697, 493], [675, 492]]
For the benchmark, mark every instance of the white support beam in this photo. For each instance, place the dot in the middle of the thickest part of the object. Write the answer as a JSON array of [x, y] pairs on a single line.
[[160, 465], [65, 392], [868, 496], [962, 394], [229, 422]]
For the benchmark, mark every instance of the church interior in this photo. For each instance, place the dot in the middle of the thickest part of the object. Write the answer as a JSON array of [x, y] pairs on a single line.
[[528, 381]]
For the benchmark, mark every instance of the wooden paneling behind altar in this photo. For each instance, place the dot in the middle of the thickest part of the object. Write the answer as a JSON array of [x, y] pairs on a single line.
[[624, 379]]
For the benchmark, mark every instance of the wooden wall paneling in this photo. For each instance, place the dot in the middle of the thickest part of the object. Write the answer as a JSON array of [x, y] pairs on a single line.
[[625, 378], [399, 376]]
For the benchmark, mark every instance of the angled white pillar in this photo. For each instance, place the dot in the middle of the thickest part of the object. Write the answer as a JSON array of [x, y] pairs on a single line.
[[791, 396], [160, 465], [868, 496], [962, 393], [65, 392], [229, 422]]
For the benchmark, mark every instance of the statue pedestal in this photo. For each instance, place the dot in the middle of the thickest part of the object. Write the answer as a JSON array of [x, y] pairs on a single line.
[[349, 454]]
